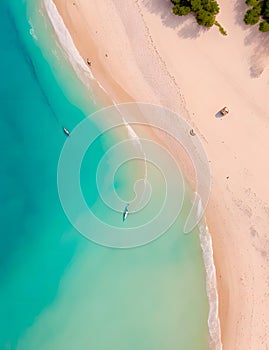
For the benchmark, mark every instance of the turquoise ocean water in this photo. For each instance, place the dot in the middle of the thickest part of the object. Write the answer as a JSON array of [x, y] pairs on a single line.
[[58, 290]]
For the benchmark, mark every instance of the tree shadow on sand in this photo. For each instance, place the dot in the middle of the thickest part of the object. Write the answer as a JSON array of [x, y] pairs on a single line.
[[259, 41], [260, 57], [163, 8], [240, 9], [191, 30], [187, 26]]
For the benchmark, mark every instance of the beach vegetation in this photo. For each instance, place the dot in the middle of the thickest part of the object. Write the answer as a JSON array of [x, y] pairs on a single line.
[[264, 26], [252, 3], [212, 7], [205, 18], [258, 13], [252, 16], [196, 5], [221, 29], [205, 11], [181, 10]]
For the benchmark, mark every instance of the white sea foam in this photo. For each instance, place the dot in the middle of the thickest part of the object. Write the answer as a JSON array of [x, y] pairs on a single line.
[[211, 286], [32, 30], [67, 45], [72, 54], [85, 75], [80, 67], [133, 136]]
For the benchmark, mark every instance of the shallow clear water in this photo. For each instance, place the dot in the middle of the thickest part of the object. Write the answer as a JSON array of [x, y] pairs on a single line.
[[58, 290]]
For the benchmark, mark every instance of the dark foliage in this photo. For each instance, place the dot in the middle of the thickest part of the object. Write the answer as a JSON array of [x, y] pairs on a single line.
[[258, 13], [205, 11]]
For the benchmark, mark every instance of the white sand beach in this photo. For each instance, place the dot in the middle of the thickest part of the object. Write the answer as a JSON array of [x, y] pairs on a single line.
[[140, 51]]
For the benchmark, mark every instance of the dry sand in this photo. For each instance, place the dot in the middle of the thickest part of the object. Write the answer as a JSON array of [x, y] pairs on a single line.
[[140, 51]]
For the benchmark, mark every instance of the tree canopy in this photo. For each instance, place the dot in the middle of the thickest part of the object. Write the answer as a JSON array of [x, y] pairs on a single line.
[[204, 11], [258, 13]]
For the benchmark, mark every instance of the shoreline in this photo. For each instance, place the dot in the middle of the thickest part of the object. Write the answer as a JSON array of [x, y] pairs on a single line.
[[232, 279], [204, 235]]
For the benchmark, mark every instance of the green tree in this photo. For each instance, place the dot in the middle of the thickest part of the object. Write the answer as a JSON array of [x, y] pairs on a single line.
[[205, 18], [252, 16], [266, 10], [212, 7], [196, 5], [221, 29], [258, 13], [181, 10], [181, 2], [264, 26], [252, 3], [205, 11]]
